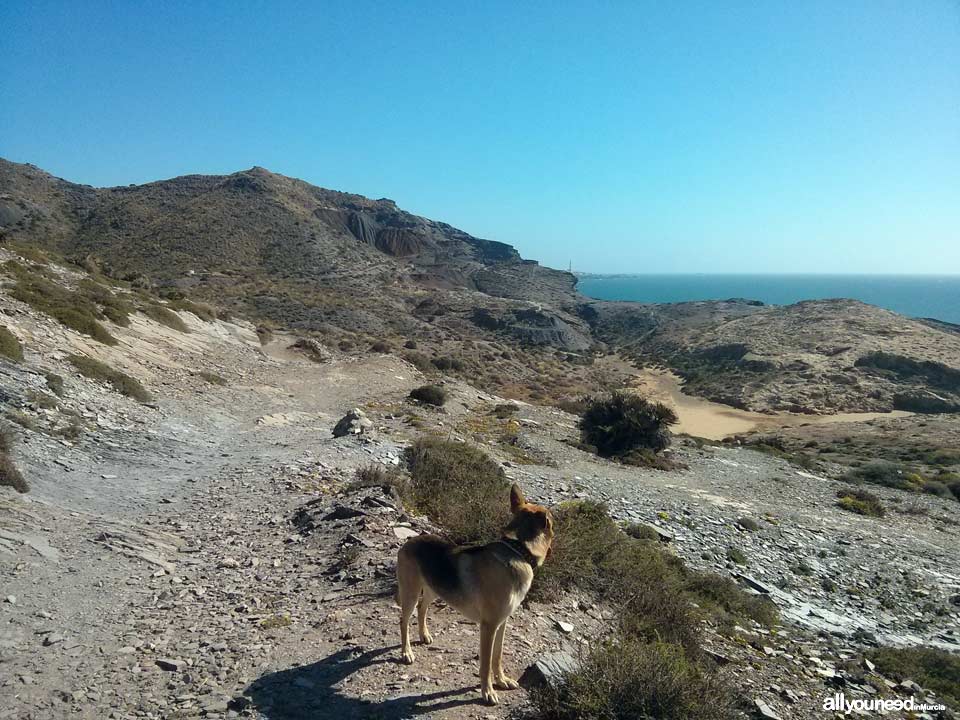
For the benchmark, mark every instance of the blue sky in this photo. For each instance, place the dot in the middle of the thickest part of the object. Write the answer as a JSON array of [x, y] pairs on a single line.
[[622, 136]]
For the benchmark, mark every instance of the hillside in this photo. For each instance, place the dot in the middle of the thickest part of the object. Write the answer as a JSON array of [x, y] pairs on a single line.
[[203, 549], [353, 271], [817, 356]]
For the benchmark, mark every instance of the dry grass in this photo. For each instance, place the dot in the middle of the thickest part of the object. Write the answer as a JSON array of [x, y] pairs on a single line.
[[630, 679], [72, 309], [10, 475], [931, 668], [10, 346], [164, 316], [121, 382]]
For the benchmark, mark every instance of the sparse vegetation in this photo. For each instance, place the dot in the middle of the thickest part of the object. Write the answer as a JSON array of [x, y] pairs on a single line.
[[10, 475], [459, 487], [72, 309], [429, 395], [736, 555], [213, 378], [164, 316], [504, 410], [932, 668], [381, 346], [652, 667], [10, 346], [860, 502], [631, 678], [622, 423], [201, 310], [55, 383], [121, 382]]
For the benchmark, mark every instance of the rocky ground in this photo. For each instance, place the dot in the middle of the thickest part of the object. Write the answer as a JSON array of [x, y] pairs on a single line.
[[203, 558]]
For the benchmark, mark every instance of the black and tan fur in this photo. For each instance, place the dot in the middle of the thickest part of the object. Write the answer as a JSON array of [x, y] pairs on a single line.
[[485, 582]]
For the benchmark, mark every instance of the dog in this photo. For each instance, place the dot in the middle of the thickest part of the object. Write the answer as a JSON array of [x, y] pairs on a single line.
[[486, 583]]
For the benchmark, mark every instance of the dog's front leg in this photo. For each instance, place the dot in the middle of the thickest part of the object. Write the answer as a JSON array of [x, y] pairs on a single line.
[[500, 679], [488, 633]]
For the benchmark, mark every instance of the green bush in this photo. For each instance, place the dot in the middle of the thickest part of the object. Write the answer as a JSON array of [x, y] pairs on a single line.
[[622, 422], [931, 668], [429, 395], [860, 502], [629, 679], [459, 488], [10, 475], [121, 382], [10, 346]]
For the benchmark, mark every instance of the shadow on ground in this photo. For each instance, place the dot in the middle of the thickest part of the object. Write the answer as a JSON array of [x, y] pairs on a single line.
[[309, 691]]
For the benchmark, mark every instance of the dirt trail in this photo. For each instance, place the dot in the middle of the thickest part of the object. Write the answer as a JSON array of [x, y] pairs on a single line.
[[715, 421]]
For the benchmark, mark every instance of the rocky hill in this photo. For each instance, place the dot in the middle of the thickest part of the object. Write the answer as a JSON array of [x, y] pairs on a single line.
[[355, 271], [818, 356]]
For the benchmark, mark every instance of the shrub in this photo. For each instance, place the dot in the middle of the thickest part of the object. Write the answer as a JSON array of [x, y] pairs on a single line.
[[622, 422], [420, 361], [631, 679], [504, 410], [459, 488], [10, 346], [410, 344], [212, 378], [880, 472], [375, 476], [735, 555], [860, 502], [429, 395], [204, 312], [932, 668], [748, 524], [71, 309], [9, 474], [55, 383], [447, 362], [114, 308], [164, 316], [654, 588], [380, 347], [121, 382]]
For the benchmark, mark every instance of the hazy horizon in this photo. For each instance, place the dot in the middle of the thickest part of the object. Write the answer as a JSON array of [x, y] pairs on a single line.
[[693, 138]]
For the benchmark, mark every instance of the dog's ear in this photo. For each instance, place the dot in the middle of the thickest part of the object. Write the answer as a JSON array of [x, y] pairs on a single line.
[[517, 500]]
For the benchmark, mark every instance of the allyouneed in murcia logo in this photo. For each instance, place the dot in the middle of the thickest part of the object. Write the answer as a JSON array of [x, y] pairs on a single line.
[[839, 703]]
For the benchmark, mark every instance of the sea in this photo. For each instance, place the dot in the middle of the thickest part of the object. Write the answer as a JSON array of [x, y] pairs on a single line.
[[921, 296]]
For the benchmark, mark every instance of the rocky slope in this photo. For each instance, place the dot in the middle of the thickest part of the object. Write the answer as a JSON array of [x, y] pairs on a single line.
[[203, 555], [821, 356]]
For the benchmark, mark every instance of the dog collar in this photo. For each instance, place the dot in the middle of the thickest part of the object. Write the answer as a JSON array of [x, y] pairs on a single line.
[[520, 550]]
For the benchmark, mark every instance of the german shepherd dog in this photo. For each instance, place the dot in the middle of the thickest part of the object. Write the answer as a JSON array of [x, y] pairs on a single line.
[[484, 582]]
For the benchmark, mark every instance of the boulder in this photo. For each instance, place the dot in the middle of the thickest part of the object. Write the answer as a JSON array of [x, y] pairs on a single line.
[[548, 670], [354, 422]]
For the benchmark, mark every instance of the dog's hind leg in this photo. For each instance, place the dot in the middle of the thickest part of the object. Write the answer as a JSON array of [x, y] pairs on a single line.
[[488, 632], [409, 585], [500, 679], [427, 596]]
